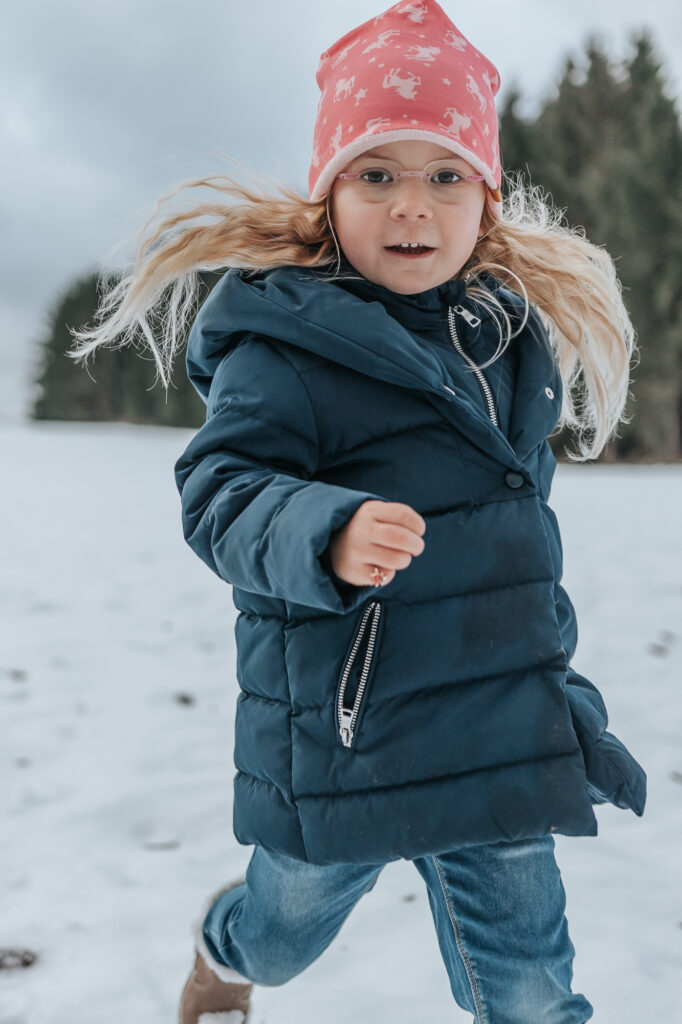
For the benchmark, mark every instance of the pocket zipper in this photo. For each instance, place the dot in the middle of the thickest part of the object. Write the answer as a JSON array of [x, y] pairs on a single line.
[[346, 716]]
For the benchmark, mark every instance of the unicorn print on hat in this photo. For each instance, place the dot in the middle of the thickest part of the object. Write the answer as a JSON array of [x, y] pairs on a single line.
[[406, 86], [426, 54], [344, 53], [376, 123], [458, 122], [415, 11], [452, 39], [382, 40], [344, 87], [472, 87]]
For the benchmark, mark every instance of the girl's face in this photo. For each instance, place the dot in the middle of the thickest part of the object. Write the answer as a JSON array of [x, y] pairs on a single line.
[[411, 213]]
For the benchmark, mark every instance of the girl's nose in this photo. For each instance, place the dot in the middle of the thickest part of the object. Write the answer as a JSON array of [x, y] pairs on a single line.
[[411, 200]]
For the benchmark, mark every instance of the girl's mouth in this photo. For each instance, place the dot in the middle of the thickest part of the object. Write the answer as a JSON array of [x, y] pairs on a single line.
[[418, 252]]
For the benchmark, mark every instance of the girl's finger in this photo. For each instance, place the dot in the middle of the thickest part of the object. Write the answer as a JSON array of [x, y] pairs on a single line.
[[390, 558], [399, 513], [393, 535]]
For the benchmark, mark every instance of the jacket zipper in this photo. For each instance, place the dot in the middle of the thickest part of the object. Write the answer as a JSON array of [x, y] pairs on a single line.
[[347, 716], [485, 386]]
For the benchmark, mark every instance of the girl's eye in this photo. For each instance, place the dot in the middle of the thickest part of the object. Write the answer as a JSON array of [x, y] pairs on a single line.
[[375, 181], [450, 177]]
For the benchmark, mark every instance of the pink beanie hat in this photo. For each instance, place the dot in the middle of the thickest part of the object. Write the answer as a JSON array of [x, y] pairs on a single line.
[[409, 73]]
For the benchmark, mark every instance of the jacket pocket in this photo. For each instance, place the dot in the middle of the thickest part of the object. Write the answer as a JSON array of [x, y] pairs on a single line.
[[358, 668]]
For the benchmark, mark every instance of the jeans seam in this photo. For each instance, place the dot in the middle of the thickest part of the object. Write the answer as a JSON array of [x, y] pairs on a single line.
[[473, 984]]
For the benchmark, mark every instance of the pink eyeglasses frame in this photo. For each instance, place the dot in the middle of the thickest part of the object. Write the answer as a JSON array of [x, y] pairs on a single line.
[[424, 174]]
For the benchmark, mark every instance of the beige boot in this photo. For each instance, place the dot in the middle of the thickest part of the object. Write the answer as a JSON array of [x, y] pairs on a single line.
[[214, 993]]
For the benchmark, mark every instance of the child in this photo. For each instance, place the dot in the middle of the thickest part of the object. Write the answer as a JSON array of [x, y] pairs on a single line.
[[372, 479]]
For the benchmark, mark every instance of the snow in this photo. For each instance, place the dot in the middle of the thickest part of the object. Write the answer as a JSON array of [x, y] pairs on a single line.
[[116, 795]]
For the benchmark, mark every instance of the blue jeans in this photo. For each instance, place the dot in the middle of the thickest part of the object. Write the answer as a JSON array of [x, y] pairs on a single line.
[[498, 909]]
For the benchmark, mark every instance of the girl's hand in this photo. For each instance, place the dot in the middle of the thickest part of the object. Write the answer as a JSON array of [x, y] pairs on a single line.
[[382, 533]]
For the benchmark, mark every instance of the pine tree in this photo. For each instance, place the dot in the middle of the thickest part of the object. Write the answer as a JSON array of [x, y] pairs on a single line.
[[117, 383], [516, 135], [608, 149]]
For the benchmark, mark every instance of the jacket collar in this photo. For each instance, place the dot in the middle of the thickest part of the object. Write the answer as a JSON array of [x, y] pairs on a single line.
[[416, 311], [339, 324]]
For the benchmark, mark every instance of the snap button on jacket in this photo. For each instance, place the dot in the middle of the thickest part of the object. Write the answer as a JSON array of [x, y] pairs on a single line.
[[441, 709], [513, 479]]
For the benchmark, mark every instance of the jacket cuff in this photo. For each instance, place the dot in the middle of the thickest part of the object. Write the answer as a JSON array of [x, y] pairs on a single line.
[[334, 508], [350, 594]]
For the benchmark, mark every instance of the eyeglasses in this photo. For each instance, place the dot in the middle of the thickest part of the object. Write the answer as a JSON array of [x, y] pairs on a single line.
[[381, 181]]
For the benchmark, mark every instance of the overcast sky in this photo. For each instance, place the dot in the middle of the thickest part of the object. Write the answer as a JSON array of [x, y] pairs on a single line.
[[105, 106]]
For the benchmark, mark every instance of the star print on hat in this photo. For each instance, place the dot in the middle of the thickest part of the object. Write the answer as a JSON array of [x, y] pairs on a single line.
[[409, 73]]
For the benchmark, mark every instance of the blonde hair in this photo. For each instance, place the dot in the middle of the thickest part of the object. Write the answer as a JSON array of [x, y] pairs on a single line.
[[571, 282]]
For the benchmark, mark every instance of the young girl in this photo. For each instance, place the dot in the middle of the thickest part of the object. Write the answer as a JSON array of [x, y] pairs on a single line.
[[372, 479]]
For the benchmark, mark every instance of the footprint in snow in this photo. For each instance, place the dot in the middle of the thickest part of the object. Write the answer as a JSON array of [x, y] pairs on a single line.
[[12, 957], [660, 647]]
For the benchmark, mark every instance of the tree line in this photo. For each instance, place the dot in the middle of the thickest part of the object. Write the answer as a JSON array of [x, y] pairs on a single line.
[[606, 145]]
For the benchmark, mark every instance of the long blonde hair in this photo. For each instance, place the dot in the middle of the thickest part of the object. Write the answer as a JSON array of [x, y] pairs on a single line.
[[571, 282]]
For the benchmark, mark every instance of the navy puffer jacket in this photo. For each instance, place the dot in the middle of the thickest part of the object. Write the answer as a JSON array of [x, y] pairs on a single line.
[[441, 709]]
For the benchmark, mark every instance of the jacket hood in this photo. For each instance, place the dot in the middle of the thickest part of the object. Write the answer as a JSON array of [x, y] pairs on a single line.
[[347, 319]]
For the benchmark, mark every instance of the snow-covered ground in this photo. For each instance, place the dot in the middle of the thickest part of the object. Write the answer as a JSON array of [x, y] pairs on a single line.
[[116, 795]]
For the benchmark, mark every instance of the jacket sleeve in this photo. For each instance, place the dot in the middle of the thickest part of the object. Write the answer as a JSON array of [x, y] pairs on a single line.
[[613, 775], [250, 509]]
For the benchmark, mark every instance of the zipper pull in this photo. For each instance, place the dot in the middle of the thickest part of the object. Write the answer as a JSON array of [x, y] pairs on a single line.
[[346, 731], [474, 321]]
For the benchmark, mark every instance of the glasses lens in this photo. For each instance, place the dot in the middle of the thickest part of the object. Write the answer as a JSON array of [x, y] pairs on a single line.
[[375, 183]]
